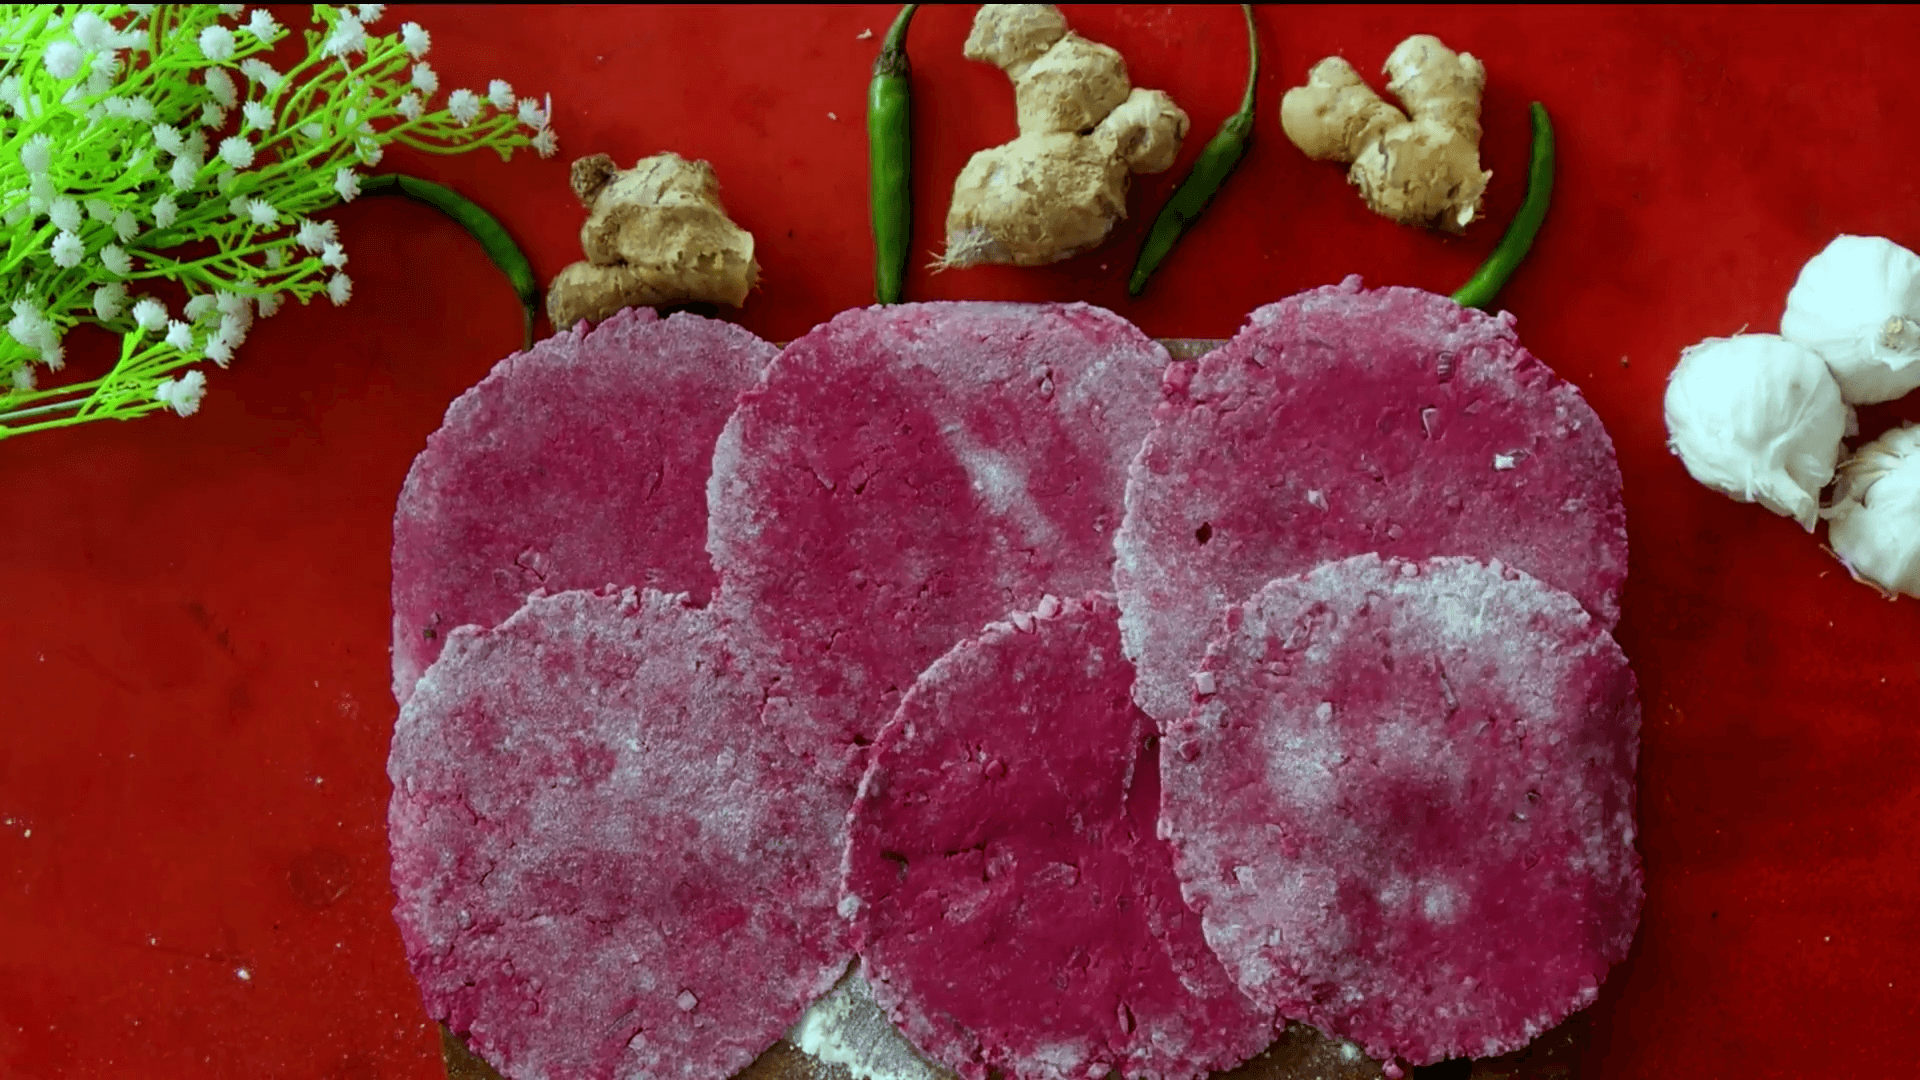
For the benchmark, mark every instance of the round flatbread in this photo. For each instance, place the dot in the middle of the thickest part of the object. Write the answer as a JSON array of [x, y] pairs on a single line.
[[905, 475], [1405, 810], [1342, 421], [605, 864], [578, 464], [1014, 909]]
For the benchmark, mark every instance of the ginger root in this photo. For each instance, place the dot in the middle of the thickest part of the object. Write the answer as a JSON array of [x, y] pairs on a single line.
[[656, 234], [1059, 188], [1420, 167]]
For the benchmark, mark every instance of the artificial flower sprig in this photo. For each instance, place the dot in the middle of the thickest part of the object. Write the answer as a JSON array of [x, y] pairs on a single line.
[[156, 142]]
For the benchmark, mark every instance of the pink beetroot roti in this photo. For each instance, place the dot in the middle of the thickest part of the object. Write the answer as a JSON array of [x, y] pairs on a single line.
[[905, 474], [1013, 908], [1405, 815], [1341, 421], [579, 464], [605, 866]]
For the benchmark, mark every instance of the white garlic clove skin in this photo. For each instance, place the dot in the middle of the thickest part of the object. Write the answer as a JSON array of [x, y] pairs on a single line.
[[1759, 418], [1875, 527], [1857, 304]]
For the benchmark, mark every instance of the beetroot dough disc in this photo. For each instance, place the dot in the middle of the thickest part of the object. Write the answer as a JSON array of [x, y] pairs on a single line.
[[1406, 815], [605, 866], [906, 474], [579, 464], [1014, 908], [1341, 421]]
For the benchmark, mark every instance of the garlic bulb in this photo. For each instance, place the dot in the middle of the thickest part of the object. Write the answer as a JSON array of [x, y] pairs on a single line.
[[1759, 418], [1857, 304], [1875, 525]]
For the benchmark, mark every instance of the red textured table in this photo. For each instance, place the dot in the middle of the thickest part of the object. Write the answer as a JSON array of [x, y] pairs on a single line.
[[194, 705]]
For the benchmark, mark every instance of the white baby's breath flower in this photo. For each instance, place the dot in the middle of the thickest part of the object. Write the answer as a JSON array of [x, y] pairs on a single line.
[[116, 260], [463, 105], [23, 377], [339, 289], [424, 79], [316, 235], [184, 173], [199, 306], [275, 258], [15, 214], [500, 94], [109, 300], [216, 43], [65, 214], [182, 395], [348, 37], [263, 73], [410, 105], [197, 147], [114, 108], [131, 39], [268, 304], [233, 331], [545, 142], [100, 210], [261, 25], [232, 11], [63, 59], [222, 86], [37, 154], [179, 335], [371, 13], [416, 39], [52, 353], [126, 226], [167, 137], [92, 31], [150, 314], [72, 95], [67, 250], [236, 151], [370, 152], [531, 114], [257, 115], [347, 183], [101, 74], [313, 131], [140, 108], [213, 116], [233, 304], [165, 211], [237, 206], [225, 180], [262, 213], [219, 352], [334, 256]]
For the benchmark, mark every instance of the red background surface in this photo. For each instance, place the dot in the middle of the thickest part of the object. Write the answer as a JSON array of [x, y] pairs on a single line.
[[193, 636]]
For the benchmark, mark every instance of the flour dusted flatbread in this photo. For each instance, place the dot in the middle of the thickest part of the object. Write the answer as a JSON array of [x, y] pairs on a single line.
[[1342, 421], [606, 864], [580, 463], [906, 474], [1403, 806], [1014, 908]]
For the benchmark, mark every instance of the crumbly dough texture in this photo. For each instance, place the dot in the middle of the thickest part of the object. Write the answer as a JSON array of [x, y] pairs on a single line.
[[1012, 904], [605, 860], [1406, 814], [580, 463], [904, 475], [1344, 420]]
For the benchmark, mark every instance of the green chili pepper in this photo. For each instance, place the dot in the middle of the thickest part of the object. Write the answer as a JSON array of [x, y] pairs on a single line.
[[890, 159], [1217, 162], [1486, 282], [482, 226]]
